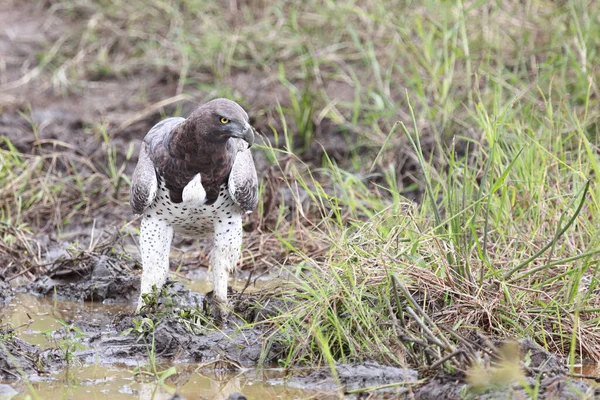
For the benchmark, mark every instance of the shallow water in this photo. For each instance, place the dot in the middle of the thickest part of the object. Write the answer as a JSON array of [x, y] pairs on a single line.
[[112, 382], [35, 318], [198, 281]]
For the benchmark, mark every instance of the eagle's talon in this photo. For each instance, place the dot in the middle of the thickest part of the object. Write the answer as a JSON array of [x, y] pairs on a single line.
[[219, 313], [217, 310]]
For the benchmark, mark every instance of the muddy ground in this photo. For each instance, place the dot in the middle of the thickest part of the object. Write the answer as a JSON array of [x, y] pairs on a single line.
[[182, 334]]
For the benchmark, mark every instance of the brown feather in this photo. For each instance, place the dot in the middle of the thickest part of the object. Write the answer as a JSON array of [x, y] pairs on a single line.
[[201, 145]]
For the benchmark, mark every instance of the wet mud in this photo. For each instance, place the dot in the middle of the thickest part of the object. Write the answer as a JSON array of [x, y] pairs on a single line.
[[541, 372], [89, 277], [180, 341], [181, 336], [5, 290], [177, 328], [558, 387], [19, 358], [350, 377], [177, 331]]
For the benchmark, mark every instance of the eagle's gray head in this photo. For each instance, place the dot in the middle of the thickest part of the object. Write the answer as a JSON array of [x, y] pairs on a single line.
[[221, 119]]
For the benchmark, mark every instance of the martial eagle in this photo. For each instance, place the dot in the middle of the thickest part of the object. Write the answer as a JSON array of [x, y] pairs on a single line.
[[195, 177]]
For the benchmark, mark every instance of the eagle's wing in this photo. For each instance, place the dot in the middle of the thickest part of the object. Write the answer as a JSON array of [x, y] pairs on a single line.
[[144, 182], [243, 183]]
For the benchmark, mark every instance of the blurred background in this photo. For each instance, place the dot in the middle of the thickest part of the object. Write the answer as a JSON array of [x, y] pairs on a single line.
[[83, 81]]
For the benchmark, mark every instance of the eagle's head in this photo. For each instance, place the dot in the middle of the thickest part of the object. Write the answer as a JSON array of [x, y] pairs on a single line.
[[221, 119]]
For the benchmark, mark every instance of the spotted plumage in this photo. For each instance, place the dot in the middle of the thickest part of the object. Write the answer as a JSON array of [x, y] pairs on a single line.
[[195, 177]]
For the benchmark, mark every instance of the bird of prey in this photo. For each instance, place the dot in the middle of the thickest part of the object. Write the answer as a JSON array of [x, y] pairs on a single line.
[[195, 177]]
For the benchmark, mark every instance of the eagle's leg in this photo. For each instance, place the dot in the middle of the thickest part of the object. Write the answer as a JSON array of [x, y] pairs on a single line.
[[225, 255], [155, 245]]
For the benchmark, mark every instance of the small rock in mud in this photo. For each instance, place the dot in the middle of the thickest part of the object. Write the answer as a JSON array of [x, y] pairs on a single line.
[[21, 360], [89, 277], [5, 290], [537, 357], [182, 296], [353, 376], [236, 396]]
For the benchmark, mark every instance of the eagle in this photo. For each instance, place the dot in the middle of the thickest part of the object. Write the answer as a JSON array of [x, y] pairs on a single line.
[[195, 177]]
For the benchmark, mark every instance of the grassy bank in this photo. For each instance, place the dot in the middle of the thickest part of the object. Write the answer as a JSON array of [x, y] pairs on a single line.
[[457, 192]]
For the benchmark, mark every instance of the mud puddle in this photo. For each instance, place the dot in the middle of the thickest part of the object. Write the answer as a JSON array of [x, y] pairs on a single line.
[[104, 363], [199, 281], [37, 318], [39, 330], [113, 382], [69, 349]]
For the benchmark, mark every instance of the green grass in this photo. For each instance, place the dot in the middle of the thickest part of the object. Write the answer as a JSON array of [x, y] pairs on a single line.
[[494, 246], [485, 112]]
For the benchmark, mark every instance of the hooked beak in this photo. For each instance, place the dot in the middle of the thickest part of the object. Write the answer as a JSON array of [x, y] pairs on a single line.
[[246, 135]]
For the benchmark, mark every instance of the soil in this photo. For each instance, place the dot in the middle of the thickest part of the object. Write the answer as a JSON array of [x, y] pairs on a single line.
[[175, 340], [403, 383], [352, 377], [19, 358], [89, 277], [110, 278], [559, 387], [181, 338]]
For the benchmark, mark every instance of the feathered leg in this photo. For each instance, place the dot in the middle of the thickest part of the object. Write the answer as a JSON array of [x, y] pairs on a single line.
[[155, 244], [225, 255]]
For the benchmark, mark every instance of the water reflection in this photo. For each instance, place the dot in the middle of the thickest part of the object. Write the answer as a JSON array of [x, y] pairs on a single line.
[[35, 318], [102, 382], [198, 281]]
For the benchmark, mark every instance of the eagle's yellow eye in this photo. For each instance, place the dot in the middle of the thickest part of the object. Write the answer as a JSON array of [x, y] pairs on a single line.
[[224, 120]]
